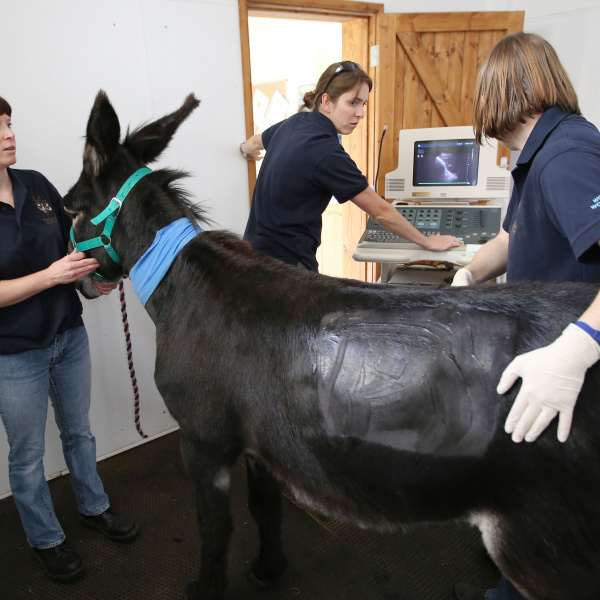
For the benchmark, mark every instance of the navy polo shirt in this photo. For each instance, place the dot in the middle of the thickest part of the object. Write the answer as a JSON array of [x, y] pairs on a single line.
[[304, 166], [553, 218], [33, 235]]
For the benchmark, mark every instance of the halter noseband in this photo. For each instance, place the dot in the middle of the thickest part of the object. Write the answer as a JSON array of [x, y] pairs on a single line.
[[110, 214]]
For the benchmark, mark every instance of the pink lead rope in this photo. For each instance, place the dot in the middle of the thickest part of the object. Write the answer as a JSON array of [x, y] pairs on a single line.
[[136, 392]]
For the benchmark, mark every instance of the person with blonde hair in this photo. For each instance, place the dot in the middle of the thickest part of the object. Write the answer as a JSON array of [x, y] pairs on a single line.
[[524, 99], [305, 165]]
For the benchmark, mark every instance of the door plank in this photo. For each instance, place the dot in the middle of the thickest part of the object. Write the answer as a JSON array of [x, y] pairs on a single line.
[[471, 52], [427, 72], [441, 59], [455, 66], [461, 21]]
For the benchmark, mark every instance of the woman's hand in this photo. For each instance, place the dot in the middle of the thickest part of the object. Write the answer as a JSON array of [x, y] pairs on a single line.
[[552, 378], [463, 277], [439, 243], [70, 268]]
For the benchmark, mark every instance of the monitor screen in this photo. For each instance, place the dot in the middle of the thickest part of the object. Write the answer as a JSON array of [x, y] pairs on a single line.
[[445, 162]]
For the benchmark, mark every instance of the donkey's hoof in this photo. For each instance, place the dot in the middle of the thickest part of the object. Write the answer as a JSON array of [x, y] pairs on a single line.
[[261, 583], [191, 591], [267, 575]]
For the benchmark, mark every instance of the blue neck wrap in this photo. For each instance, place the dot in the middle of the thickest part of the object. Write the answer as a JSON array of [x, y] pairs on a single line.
[[149, 271]]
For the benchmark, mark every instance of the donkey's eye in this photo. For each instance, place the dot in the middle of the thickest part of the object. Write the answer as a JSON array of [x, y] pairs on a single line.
[[74, 215]]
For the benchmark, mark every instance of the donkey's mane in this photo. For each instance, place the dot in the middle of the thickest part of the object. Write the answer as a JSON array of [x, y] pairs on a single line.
[[169, 181]]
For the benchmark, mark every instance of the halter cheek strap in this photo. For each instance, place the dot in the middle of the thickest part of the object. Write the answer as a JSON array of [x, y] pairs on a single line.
[[110, 214]]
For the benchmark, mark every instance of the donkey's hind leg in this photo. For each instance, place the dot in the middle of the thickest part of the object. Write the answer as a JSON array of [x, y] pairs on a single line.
[[264, 501], [211, 475]]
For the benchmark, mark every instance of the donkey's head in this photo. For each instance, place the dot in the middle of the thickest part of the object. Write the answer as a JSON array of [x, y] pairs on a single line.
[[107, 165]]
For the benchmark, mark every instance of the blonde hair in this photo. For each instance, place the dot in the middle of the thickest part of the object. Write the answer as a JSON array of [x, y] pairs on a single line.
[[521, 77], [342, 82]]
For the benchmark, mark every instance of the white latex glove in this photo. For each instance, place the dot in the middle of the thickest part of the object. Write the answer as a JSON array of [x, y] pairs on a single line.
[[552, 378], [463, 277]]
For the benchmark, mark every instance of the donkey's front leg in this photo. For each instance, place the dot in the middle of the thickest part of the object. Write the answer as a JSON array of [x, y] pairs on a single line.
[[264, 501], [211, 476]]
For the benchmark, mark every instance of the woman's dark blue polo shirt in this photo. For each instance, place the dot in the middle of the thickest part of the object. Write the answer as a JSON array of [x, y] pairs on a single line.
[[553, 218], [33, 235], [304, 166]]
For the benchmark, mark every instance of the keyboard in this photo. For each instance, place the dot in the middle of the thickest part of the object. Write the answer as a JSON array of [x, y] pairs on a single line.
[[470, 224]]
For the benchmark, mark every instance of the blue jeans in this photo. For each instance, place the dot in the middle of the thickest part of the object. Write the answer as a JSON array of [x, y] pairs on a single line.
[[62, 372], [505, 591]]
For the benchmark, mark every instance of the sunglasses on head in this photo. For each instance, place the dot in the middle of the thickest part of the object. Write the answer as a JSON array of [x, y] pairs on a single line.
[[345, 65]]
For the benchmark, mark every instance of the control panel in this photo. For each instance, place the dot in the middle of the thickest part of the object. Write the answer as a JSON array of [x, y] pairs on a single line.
[[471, 224]]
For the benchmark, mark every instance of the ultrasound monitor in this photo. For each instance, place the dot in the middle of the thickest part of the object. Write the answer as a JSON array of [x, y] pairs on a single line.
[[446, 163]]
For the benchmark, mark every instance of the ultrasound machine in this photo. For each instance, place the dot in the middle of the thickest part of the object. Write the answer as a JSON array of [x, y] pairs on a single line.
[[445, 184]]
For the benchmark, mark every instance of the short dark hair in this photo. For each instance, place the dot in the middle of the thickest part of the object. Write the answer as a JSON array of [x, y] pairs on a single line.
[[341, 83], [522, 76], [5, 108]]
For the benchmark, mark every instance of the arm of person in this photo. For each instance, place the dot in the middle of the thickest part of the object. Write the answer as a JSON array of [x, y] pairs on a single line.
[[552, 379], [552, 376], [489, 262], [387, 216], [65, 270], [252, 148]]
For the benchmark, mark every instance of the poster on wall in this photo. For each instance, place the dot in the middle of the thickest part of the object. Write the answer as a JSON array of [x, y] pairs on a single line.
[[277, 109], [260, 101]]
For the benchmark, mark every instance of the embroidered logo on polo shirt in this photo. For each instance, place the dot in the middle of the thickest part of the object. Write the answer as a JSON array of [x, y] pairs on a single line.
[[595, 203], [45, 207]]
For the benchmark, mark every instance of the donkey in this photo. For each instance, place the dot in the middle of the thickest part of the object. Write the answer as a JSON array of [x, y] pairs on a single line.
[[371, 403]]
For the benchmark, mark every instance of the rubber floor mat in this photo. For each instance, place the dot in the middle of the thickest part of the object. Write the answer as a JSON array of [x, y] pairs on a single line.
[[328, 560]]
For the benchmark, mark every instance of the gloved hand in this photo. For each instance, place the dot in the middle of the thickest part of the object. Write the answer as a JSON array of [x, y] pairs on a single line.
[[463, 277], [552, 378]]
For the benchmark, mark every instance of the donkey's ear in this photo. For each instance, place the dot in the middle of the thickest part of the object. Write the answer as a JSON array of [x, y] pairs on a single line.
[[148, 141], [103, 133]]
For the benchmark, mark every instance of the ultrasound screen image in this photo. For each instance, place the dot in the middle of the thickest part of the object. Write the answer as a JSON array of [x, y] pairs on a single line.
[[446, 162]]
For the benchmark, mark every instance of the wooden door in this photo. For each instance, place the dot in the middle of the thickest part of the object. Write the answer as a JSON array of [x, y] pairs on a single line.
[[425, 77], [428, 64]]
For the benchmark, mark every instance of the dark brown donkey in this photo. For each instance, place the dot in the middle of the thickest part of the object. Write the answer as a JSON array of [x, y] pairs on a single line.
[[372, 403]]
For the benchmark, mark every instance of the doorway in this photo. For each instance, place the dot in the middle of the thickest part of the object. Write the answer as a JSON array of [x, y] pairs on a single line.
[[287, 56], [343, 224]]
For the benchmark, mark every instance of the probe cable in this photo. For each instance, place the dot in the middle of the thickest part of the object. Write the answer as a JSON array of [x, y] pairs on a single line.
[[379, 159]]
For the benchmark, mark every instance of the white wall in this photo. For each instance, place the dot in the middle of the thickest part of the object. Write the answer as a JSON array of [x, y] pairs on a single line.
[[147, 55]]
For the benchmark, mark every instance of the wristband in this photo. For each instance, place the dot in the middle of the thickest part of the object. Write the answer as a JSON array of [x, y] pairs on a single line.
[[593, 333], [244, 154]]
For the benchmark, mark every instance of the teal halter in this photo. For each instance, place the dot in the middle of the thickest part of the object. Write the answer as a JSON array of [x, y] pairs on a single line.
[[110, 214]]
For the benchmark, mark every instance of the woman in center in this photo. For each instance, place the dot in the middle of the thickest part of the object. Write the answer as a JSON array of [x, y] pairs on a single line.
[[305, 165]]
